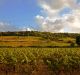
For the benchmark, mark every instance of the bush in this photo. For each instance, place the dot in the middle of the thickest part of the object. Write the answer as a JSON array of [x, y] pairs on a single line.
[[72, 44], [78, 40]]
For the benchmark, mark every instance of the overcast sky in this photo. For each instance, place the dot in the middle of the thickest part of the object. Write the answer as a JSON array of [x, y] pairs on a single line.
[[44, 15]]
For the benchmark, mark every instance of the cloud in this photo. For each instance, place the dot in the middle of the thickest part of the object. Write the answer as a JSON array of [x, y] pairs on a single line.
[[50, 24], [73, 21], [7, 27], [4, 27], [26, 29], [54, 17]]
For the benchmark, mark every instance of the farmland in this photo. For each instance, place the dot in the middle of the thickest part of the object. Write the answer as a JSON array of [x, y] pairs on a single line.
[[56, 59], [39, 53], [39, 40]]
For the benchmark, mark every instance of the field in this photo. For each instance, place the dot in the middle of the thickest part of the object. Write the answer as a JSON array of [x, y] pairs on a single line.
[[39, 53], [32, 61], [25, 41]]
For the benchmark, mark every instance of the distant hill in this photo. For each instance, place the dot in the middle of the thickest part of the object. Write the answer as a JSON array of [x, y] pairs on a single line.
[[37, 39], [36, 33]]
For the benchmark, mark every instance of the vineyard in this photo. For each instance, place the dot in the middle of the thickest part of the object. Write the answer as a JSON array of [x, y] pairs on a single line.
[[39, 53], [57, 60]]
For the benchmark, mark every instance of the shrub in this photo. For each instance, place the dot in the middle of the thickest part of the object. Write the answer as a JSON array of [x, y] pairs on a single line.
[[72, 44], [78, 40]]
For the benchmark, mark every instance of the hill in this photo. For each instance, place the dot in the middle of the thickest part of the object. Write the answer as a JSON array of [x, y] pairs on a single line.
[[36, 39]]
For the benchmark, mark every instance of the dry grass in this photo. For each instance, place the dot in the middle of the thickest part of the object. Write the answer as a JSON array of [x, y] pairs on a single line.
[[21, 41]]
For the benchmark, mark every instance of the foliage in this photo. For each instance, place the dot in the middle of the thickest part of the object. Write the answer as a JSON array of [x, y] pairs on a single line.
[[72, 44], [55, 58], [46, 35], [78, 40]]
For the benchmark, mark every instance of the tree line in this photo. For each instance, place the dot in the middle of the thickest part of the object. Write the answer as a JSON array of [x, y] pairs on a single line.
[[46, 35]]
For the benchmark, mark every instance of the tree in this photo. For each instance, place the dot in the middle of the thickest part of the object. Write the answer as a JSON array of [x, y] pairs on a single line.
[[78, 40]]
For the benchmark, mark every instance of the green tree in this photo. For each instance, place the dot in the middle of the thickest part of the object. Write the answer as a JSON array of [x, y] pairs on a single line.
[[78, 40]]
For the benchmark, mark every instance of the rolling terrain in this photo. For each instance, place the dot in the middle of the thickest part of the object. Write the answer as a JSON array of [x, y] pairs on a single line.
[[39, 53], [36, 39]]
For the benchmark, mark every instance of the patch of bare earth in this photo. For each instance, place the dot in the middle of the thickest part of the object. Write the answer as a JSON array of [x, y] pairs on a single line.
[[40, 68]]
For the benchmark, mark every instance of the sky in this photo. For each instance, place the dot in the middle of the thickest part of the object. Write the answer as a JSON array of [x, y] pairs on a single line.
[[18, 13], [42, 15]]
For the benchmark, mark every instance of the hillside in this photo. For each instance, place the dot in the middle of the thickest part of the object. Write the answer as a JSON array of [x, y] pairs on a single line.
[[36, 39], [21, 41]]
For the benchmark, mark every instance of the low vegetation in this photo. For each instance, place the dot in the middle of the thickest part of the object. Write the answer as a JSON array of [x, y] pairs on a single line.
[[37, 39], [56, 59], [39, 53]]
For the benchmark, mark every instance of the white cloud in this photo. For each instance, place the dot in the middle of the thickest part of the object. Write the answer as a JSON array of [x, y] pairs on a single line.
[[74, 21], [26, 29], [4, 27], [52, 21], [7, 27], [48, 24]]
